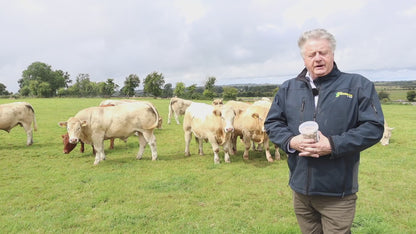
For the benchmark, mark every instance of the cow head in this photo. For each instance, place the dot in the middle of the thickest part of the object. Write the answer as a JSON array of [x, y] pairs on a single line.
[[386, 135], [74, 127], [227, 115], [68, 147], [217, 102]]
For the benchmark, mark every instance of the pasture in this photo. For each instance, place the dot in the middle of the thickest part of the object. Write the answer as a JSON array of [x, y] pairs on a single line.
[[43, 190]]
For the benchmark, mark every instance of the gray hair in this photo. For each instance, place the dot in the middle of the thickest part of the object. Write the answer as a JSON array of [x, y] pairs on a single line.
[[317, 34]]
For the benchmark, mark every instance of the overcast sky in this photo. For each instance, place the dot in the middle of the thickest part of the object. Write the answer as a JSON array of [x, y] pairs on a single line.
[[244, 41]]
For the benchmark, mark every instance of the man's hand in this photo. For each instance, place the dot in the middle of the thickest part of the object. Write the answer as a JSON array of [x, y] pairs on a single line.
[[310, 148]]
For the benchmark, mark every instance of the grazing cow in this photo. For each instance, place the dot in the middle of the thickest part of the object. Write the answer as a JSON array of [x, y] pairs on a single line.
[[18, 113], [95, 124], [177, 106], [249, 126], [214, 124], [68, 147], [386, 134], [217, 101]]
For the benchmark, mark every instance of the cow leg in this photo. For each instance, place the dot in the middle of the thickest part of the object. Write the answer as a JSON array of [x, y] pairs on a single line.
[[99, 149], [82, 147], [260, 147], [169, 115], [200, 146], [227, 148], [29, 134], [276, 153], [177, 118], [267, 150], [233, 144], [247, 145], [111, 143], [142, 145], [215, 149], [188, 136], [151, 140]]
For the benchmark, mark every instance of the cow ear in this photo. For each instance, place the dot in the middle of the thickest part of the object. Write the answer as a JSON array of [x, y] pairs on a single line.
[[62, 124], [255, 115], [84, 123], [216, 112]]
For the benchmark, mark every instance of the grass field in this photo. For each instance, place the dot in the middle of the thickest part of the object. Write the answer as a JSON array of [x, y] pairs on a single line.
[[43, 190]]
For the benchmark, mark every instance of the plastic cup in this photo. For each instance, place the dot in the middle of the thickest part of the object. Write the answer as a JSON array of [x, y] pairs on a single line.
[[309, 130]]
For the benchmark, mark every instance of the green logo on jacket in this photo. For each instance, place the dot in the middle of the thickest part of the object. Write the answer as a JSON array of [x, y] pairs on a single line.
[[343, 94]]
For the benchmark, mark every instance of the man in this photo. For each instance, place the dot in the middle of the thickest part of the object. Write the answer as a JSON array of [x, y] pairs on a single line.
[[324, 174]]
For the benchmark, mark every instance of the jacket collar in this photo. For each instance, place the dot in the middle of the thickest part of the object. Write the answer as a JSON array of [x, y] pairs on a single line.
[[332, 75]]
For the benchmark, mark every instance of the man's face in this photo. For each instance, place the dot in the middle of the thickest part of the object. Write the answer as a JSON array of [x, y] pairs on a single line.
[[318, 57]]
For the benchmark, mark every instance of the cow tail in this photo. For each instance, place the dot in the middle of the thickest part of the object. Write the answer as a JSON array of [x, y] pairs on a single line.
[[35, 125], [157, 123]]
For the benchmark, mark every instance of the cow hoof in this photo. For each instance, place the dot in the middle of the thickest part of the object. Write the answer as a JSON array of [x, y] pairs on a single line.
[[96, 162], [270, 159]]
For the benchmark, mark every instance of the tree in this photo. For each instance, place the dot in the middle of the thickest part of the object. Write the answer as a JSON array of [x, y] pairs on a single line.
[[209, 87], [411, 95], [83, 87], [191, 92], [179, 90], [230, 93], [153, 84], [107, 88], [37, 75], [3, 90], [167, 90], [130, 84], [382, 95]]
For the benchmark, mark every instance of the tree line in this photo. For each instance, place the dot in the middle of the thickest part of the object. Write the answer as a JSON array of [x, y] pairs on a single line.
[[40, 80]]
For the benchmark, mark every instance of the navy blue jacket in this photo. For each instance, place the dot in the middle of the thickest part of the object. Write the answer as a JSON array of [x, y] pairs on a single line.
[[348, 113]]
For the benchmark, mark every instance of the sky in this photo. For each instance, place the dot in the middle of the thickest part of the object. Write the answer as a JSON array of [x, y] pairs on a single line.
[[237, 42]]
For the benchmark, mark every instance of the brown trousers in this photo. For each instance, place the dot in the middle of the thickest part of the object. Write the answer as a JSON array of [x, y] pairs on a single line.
[[324, 214]]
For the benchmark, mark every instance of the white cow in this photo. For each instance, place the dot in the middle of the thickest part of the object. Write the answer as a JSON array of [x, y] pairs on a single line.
[[95, 124], [18, 113], [385, 140], [214, 124], [177, 106]]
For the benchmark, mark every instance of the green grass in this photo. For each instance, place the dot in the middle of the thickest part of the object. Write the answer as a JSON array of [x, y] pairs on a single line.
[[43, 190]]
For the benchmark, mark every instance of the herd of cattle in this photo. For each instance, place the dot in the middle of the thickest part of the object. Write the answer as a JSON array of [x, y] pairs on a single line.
[[219, 124]]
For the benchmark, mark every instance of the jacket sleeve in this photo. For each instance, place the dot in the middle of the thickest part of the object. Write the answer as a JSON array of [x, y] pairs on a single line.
[[369, 127], [276, 122]]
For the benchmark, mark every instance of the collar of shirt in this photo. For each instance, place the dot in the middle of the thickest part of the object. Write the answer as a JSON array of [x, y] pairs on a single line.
[[313, 87]]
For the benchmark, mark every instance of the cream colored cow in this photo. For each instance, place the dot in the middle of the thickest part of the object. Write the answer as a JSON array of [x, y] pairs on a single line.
[[177, 107], [18, 113], [249, 126], [214, 124], [95, 124], [385, 140]]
